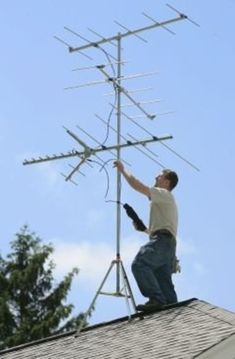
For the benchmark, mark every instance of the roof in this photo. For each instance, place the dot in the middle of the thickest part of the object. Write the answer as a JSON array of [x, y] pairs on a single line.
[[183, 331]]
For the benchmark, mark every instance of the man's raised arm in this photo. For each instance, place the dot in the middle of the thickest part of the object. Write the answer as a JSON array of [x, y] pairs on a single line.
[[133, 182]]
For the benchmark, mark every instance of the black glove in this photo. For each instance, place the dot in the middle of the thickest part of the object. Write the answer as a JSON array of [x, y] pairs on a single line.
[[140, 226]]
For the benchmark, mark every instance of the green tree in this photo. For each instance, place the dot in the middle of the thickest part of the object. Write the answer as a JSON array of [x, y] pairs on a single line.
[[31, 305]]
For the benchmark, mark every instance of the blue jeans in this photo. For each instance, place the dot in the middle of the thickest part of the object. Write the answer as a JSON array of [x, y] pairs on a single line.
[[152, 269]]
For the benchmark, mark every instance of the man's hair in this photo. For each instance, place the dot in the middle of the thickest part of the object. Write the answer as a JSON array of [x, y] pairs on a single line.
[[172, 177]]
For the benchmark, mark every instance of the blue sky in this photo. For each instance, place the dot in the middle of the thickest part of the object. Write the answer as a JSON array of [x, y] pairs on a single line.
[[195, 79]]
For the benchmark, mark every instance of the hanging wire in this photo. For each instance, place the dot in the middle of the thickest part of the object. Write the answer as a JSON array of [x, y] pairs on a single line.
[[103, 167], [115, 96], [113, 201], [109, 117], [109, 60], [106, 162], [106, 172]]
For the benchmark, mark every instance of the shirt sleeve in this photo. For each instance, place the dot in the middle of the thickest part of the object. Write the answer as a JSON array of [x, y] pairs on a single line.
[[159, 195]]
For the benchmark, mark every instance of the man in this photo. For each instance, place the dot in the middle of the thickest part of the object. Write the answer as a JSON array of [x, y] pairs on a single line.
[[153, 264]]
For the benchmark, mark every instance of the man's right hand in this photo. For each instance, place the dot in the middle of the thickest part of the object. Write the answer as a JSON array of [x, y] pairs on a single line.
[[118, 164], [137, 228], [135, 225]]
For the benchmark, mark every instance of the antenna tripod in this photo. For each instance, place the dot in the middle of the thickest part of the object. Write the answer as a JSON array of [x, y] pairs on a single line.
[[128, 295]]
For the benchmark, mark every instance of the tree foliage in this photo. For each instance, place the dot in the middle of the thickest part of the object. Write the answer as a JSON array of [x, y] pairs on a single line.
[[31, 305]]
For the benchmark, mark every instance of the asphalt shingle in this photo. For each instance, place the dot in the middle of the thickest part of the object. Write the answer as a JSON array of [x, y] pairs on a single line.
[[180, 332]]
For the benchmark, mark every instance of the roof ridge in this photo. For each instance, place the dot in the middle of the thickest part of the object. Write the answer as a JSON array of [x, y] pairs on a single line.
[[140, 314]]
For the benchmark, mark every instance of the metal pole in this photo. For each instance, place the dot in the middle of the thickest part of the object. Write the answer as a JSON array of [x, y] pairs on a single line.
[[118, 158]]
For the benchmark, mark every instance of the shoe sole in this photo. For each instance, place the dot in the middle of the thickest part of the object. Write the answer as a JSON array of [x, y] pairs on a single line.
[[146, 309]]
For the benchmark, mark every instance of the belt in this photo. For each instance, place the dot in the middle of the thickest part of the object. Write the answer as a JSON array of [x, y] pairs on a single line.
[[162, 231]]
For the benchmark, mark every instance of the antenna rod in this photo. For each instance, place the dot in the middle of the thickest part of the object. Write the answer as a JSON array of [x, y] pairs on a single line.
[[76, 138], [117, 83]]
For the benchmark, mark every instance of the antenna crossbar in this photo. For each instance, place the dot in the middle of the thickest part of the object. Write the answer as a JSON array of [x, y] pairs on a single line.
[[94, 151], [93, 44], [128, 33], [52, 157]]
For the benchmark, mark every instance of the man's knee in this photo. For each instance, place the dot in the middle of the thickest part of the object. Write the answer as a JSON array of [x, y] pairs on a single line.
[[133, 266], [136, 265]]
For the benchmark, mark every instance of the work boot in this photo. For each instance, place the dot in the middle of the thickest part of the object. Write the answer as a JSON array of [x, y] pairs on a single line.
[[149, 306]]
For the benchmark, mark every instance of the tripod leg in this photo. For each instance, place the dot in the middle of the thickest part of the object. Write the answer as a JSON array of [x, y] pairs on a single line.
[[127, 295], [89, 310], [126, 282]]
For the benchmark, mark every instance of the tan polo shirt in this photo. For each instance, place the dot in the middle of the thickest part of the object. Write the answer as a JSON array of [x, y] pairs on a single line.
[[163, 211]]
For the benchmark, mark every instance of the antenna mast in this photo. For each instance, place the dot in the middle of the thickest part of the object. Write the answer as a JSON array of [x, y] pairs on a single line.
[[118, 225]]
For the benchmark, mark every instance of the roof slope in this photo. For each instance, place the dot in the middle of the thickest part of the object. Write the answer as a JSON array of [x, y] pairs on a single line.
[[181, 332]]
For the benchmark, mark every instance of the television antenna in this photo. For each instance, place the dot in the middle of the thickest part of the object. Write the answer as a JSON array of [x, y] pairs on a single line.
[[88, 151]]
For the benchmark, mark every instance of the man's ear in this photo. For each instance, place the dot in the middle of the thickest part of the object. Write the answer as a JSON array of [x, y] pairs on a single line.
[[168, 183]]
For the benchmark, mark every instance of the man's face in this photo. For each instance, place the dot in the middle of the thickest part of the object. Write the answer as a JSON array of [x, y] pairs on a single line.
[[161, 181]]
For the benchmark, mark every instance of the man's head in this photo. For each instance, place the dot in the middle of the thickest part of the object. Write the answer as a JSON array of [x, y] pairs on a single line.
[[167, 179]]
